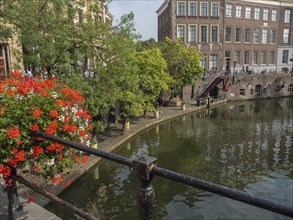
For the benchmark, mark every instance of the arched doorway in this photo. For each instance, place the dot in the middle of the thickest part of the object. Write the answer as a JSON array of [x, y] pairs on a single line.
[[258, 90]]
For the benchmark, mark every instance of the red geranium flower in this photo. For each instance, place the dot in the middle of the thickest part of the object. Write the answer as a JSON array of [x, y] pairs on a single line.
[[13, 133]]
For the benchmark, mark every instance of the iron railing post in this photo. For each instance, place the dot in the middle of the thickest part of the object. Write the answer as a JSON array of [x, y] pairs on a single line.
[[15, 209], [146, 193]]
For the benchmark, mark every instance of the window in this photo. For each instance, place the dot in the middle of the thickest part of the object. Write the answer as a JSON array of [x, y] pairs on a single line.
[[272, 57], [273, 36], [229, 10], [265, 36], [192, 9], [238, 35], [274, 15], [203, 33], [286, 35], [285, 56], [265, 14], [238, 11], [203, 9], [248, 12], [287, 16], [215, 10], [181, 31], [213, 61], [180, 8], [290, 88], [247, 35], [192, 31], [256, 36], [203, 62], [214, 34], [228, 34], [256, 13], [242, 92], [263, 57], [237, 57], [246, 57], [255, 57]]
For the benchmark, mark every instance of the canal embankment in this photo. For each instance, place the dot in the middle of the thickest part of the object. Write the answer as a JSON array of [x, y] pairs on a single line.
[[109, 141]]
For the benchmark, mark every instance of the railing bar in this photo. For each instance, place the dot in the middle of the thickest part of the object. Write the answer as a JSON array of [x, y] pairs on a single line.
[[223, 191], [109, 156], [55, 198]]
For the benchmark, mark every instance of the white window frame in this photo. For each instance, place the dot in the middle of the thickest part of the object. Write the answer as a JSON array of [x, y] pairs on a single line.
[[237, 56], [275, 36], [218, 7], [211, 40], [213, 63], [200, 36], [274, 15], [286, 35], [287, 16], [229, 10], [272, 55], [248, 13], [264, 37], [238, 28], [184, 11], [255, 61], [256, 13], [195, 12], [254, 36], [244, 57], [246, 35], [265, 15], [200, 11], [184, 32], [263, 58], [287, 57], [226, 34], [238, 9], [189, 33]]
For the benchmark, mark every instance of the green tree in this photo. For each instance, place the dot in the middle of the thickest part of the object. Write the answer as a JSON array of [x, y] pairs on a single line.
[[49, 32], [154, 80], [183, 62]]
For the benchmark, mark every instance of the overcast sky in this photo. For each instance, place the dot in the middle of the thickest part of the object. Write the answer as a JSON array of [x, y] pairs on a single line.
[[145, 17]]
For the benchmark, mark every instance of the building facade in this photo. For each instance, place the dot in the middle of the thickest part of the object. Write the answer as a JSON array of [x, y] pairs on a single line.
[[234, 35]]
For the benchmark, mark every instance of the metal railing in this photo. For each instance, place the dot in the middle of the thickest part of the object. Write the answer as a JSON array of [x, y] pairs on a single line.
[[145, 168]]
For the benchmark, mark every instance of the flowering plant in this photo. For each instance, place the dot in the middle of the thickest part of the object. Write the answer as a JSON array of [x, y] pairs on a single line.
[[39, 105]]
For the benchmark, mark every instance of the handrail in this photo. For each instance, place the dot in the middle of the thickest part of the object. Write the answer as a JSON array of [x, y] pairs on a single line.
[[145, 168], [223, 191], [54, 198]]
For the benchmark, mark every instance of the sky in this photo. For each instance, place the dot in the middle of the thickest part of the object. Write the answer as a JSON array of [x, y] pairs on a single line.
[[145, 17]]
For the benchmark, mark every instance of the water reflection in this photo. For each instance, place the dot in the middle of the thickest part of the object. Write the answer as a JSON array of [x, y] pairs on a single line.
[[245, 145]]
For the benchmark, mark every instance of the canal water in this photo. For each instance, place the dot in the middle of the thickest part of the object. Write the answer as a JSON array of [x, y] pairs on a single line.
[[243, 145]]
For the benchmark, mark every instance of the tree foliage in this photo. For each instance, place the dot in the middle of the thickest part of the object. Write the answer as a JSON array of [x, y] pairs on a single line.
[[154, 80], [183, 62], [126, 74]]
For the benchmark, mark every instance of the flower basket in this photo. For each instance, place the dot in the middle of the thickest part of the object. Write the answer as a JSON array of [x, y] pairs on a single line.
[[39, 105]]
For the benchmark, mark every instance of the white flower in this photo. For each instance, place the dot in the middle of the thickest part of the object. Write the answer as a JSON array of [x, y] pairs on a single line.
[[61, 118], [54, 95], [74, 110], [51, 162]]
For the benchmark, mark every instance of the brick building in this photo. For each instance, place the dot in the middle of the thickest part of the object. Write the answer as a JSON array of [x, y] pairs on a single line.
[[233, 35]]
